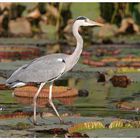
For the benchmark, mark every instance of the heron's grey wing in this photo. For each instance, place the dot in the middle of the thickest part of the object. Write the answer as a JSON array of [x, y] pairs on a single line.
[[12, 77], [41, 70]]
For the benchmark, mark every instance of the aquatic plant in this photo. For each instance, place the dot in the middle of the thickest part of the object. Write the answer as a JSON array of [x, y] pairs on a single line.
[[16, 115], [22, 125], [86, 126], [116, 124], [29, 91]]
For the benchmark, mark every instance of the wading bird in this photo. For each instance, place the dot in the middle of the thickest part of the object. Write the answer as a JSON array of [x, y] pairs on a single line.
[[47, 69]]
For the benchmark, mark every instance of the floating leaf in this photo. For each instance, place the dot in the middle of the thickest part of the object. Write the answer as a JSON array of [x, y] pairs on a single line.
[[58, 131], [42, 102], [29, 91], [76, 135], [13, 52], [128, 125], [16, 115], [129, 105], [107, 51], [120, 81], [126, 70], [116, 124], [3, 87], [136, 124], [86, 126]]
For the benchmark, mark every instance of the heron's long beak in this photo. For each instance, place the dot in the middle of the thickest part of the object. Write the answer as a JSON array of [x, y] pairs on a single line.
[[93, 23]]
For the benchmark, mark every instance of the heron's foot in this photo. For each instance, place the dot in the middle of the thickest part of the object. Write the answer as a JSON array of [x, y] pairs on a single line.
[[38, 124], [62, 122], [35, 123]]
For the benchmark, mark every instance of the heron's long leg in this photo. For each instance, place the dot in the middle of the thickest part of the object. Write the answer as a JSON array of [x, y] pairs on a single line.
[[34, 101], [51, 103]]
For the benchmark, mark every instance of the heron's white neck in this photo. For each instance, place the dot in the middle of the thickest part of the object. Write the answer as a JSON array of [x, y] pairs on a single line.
[[79, 40], [74, 57]]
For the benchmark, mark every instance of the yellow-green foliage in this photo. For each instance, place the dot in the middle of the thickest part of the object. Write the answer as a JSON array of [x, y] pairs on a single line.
[[127, 70], [99, 125], [124, 124], [116, 124], [86, 126], [135, 124], [128, 125]]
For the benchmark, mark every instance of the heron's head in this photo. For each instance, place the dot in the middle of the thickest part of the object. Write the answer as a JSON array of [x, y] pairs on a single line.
[[84, 21]]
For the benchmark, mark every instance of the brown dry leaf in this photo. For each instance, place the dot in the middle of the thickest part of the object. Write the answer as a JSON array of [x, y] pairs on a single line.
[[52, 11], [5, 60], [5, 5], [76, 135], [124, 105], [120, 81], [96, 63], [35, 14], [3, 87], [54, 131], [133, 105], [12, 52], [60, 91], [128, 23], [16, 115], [135, 64], [108, 30], [42, 102], [20, 26]]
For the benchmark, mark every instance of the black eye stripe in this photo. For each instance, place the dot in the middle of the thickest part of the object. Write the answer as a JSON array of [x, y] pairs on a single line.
[[81, 18]]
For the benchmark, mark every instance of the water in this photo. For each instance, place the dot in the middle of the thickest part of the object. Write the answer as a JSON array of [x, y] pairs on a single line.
[[101, 100], [101, 104]]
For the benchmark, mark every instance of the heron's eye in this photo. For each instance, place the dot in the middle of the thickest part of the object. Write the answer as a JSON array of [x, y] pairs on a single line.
[[86, 20]]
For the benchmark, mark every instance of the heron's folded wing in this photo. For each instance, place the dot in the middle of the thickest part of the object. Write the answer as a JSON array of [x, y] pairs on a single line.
[[14, 74], [40, 71]]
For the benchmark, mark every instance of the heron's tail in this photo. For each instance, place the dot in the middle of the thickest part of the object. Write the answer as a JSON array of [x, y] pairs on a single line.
[[14, 84]]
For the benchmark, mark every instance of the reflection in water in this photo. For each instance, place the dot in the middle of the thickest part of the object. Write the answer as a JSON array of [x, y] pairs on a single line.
[[101, 97], [101, 100]]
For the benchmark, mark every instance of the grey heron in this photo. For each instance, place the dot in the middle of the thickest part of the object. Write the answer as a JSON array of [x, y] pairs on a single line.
[[47, 69]]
